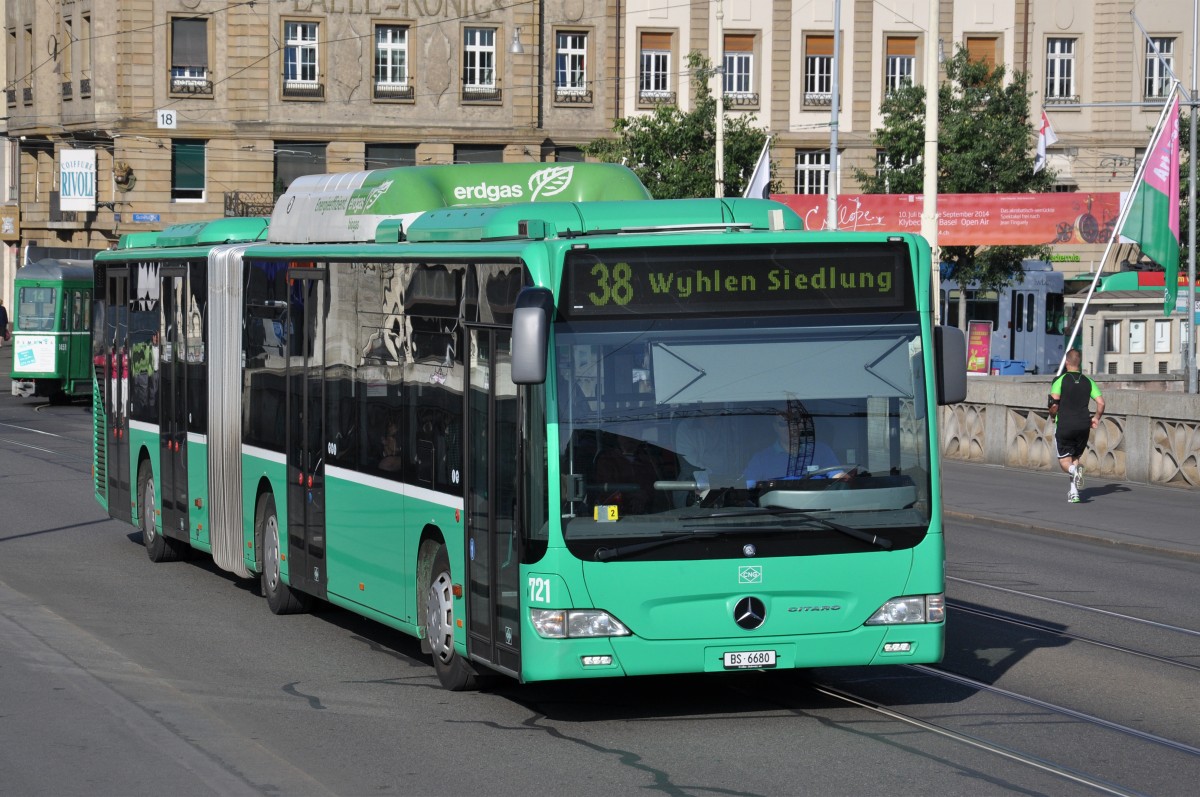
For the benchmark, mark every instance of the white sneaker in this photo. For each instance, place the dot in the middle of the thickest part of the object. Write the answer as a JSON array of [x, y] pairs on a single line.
[[1072, 497]]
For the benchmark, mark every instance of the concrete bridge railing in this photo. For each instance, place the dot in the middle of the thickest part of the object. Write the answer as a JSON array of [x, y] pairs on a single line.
[[1150, 432]]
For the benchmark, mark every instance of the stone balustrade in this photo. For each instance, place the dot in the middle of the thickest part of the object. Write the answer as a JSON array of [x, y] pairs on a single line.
[[1150, 432]]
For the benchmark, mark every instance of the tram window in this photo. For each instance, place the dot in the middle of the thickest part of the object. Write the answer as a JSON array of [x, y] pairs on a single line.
[[1030, 314], [35, 310], [1054, 314], [1019, 314]]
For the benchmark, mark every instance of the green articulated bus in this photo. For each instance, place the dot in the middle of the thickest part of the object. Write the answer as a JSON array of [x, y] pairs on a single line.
[[551, 427], [51, 329]]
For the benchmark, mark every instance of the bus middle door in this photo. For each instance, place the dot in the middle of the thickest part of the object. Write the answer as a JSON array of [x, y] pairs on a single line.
[[167, 388], [306, 435], [493, 563]]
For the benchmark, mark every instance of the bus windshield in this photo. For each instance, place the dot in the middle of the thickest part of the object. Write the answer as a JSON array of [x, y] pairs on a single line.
[[668, 425]]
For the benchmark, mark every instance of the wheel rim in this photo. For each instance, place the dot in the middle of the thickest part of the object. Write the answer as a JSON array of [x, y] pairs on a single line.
[[148, 511], [271, 554], [440, 617]]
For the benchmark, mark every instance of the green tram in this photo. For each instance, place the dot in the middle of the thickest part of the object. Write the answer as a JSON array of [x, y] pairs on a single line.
[[51, 337], [543, 436]]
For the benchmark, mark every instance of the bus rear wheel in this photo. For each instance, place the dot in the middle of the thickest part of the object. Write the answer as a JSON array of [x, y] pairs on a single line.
[[158, 547], [281, 598], [454, 673]]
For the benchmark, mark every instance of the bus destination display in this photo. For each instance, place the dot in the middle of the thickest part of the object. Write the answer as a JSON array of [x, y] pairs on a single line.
[[714, 280]]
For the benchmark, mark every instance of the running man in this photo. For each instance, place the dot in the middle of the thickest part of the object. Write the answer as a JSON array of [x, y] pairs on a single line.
[[1070, 399]]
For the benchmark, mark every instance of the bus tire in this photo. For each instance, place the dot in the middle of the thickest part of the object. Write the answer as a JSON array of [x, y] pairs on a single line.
[[281, 598], [454, 673], [158, 547]]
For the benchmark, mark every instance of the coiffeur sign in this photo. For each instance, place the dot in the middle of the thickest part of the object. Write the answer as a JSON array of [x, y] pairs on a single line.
[[973, 219]]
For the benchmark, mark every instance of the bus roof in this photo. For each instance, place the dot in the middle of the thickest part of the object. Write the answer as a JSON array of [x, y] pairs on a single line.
[[57, 269], [242, 229], [569, 219], [333, 208]]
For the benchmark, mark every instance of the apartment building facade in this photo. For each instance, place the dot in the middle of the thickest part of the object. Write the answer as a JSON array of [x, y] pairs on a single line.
[[193, 109]]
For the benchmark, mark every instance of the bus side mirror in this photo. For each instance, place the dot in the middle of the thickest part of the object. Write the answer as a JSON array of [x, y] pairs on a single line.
[[531, 334], [950, 359]]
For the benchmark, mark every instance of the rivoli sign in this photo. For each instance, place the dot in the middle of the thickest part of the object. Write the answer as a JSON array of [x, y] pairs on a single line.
[[77, 179]]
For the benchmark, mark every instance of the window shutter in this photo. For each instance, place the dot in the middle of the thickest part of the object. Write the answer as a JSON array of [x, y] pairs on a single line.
[[189, 43]]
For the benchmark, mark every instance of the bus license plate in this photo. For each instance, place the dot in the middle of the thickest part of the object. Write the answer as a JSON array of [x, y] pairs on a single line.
[[749, 659]]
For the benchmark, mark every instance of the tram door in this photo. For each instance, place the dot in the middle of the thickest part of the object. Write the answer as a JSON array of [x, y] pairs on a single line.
[[491, 501], [306, 433], [77, 324], [116, 392], [1025, 326], [168, 389]]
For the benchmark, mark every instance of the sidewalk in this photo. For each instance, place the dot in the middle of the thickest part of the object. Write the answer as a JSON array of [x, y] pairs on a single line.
[[1123, 514]]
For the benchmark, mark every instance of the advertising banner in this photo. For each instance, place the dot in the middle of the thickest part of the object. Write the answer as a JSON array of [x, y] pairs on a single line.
[[77, 179], [973, 219], [979, 346]]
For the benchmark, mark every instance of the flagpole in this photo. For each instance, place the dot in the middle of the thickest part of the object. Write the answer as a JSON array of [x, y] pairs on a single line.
[[1190, 322], [1116, 233]]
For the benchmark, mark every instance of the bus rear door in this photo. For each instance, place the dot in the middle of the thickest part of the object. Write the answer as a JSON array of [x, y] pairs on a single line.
[[169, 391], [116, 392]]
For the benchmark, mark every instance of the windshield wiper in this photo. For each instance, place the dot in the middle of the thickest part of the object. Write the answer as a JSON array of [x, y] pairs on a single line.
[[606, 554], [849, 531]]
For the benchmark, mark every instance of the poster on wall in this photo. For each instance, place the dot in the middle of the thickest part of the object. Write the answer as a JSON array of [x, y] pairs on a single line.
[[77, 179], [979, 346]]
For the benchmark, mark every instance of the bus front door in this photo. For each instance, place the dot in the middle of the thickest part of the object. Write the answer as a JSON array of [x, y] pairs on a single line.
[[167, 390], [491, 502], [306, 435], [116, 393]]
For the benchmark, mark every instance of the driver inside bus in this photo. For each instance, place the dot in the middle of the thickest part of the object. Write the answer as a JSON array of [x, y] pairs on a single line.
[[791, 455]]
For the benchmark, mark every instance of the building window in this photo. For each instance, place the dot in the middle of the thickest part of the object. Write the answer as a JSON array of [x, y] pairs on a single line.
[[479, 153], [812, 171], [739, 70], [479, 64], [187, 169], [1060, 71], [85, 55], [1162, 336], [297, 159], [818, 70], [654, 74], [570, 67], [900, 66], [389, 156], [391, 63], [1159, 65], [189, 57], [983, 48], [300, 60], [1112, 337], [1137, 337]]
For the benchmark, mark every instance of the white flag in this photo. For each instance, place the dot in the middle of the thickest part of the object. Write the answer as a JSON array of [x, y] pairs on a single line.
[[1046, 137], [759, 186]]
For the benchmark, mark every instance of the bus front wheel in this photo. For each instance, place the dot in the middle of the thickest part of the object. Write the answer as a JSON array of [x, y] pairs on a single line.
[[158, 547], [281, 598], [454, 673]]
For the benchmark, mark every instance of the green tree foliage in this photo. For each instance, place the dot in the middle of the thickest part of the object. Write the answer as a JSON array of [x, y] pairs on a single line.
[[985, 145], [674, 152]]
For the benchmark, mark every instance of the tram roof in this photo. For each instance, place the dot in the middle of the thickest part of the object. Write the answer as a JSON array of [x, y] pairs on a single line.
[[352, 207], [56, 269]]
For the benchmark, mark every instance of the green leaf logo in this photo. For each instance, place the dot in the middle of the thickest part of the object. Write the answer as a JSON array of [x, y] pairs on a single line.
[[550, 182]]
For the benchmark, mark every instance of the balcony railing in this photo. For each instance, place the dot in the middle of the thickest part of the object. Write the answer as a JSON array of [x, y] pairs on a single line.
[[197, 87], [249, 203], [1072, 99], [394, 91], [27, 95], [11, 95], [85, 87], [68, 90], [572, 94], [741, 99], [303, 89], [657, 97], [481, 93], [819, 98]]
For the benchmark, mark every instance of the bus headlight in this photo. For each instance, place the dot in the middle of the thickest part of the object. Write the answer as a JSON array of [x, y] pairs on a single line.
[[910, 609], [576, 623]]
